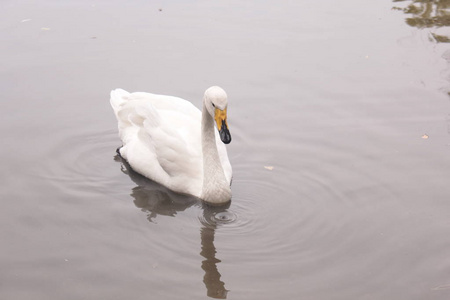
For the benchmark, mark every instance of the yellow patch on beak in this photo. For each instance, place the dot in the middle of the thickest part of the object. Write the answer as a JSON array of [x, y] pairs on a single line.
[[220, 116]]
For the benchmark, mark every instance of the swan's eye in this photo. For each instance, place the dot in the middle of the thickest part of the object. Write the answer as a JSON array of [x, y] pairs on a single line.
[[213, 105]]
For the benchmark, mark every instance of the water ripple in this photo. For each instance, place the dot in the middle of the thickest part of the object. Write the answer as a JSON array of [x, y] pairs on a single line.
[[82, 163]]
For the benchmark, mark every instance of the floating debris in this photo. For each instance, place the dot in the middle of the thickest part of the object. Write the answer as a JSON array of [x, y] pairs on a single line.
[[442, 287], [45, 29], [25, 20], [425, 136], [270, 168]]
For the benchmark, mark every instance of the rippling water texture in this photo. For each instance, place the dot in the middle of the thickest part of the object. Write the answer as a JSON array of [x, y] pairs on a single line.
[[339, 113]]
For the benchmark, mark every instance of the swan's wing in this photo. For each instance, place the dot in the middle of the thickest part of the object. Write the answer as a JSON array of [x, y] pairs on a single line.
[[161, 137], [170, 103]]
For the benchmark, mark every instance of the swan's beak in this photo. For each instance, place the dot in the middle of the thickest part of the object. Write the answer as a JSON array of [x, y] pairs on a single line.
[[221, 120]]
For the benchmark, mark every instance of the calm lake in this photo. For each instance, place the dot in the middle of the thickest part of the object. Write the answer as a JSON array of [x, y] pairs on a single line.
[[340, 118]]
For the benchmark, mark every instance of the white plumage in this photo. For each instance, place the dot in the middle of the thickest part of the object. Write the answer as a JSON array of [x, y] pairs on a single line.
[[168, 140]]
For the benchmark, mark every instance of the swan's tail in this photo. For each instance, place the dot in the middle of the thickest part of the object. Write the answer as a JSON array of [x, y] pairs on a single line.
[[118, 98]]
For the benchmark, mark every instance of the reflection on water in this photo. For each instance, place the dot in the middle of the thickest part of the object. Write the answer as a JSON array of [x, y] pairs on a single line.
[[435, 15], [155, 200], [214, 286], [428, 14]]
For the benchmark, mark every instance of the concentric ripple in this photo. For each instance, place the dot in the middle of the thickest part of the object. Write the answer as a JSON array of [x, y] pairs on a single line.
[[224, 217], [82, 163]]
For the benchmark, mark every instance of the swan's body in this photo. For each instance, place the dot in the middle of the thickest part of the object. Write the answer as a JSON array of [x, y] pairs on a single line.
[[168, 140]]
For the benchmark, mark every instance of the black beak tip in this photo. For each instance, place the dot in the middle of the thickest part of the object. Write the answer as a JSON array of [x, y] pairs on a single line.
[[225, 135], [227, 141]]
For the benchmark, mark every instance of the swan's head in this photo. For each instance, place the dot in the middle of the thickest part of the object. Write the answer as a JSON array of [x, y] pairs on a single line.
[[216, 103]]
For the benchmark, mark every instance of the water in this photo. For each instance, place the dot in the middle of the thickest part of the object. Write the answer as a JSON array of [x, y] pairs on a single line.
[[339, 114]]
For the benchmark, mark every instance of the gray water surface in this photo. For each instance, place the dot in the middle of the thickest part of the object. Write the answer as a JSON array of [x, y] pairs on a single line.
[[339, 113]]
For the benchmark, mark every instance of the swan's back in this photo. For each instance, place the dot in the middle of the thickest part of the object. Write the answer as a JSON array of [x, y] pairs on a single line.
[[161, 138]]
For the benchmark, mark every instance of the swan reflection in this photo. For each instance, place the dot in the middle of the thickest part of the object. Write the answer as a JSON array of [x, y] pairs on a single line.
[[154, 199], [214, 286]]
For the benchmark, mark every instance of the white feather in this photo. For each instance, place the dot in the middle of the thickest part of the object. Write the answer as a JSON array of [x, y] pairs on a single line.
[[162, 140]]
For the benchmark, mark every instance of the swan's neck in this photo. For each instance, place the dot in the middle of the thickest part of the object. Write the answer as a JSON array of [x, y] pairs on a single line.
[[215, 189]]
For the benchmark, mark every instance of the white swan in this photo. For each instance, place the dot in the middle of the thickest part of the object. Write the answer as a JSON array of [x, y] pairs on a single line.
[[168, 140]]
